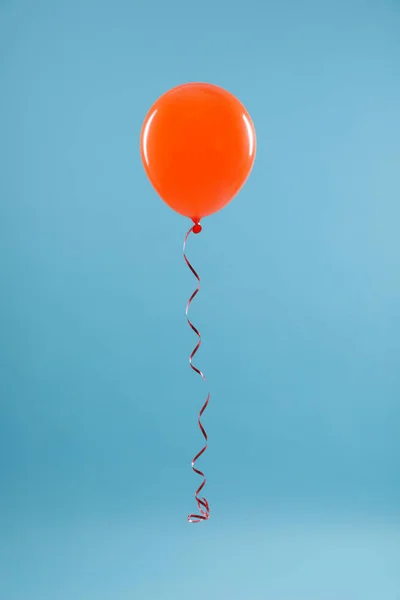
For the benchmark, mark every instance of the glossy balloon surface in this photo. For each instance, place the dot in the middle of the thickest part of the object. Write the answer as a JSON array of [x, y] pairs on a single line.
[[198, 146]]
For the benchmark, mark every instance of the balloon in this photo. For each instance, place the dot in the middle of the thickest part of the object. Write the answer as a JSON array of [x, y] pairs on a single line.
[[198, 146]]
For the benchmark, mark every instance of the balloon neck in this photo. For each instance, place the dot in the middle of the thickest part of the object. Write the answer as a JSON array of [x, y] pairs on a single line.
[[196, 227]]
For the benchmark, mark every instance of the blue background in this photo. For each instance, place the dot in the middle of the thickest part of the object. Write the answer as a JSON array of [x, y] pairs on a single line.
[[299, 309]]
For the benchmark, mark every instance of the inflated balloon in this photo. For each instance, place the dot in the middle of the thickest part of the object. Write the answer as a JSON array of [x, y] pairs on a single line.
[[198, 145]]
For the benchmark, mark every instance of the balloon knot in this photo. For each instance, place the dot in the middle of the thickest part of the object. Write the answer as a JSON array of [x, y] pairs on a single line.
[[197, 228]]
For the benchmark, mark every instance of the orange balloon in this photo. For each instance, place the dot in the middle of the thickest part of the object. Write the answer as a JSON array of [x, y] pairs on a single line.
[[198, 146]]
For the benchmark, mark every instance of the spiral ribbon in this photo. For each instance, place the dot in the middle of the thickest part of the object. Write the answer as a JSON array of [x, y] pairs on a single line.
[[202, 503]]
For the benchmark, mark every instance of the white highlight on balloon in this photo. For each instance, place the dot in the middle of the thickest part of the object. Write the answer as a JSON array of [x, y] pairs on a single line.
[[146, 134], [250, 133]]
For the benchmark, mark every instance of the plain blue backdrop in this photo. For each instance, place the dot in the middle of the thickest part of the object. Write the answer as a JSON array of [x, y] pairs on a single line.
[[299, 309]]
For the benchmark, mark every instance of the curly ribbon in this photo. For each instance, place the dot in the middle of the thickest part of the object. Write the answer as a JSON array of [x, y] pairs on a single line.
[[202, 503]]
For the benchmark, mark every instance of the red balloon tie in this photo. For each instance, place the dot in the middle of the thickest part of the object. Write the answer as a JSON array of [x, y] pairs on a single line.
[[202, 503]]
